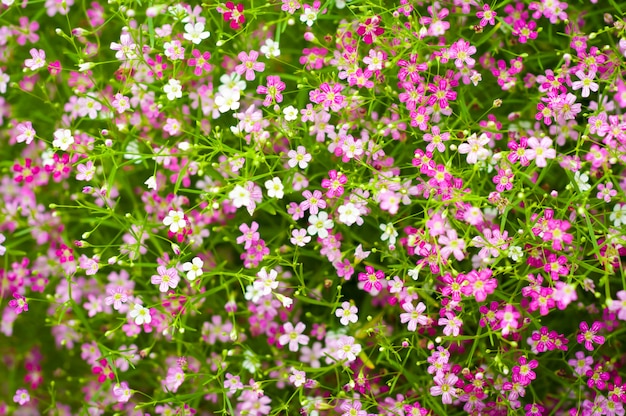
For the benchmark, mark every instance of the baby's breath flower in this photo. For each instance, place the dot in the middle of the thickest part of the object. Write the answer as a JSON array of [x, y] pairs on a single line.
[[270, 49], [173, 89], [193, 268], [175, 220], [291, 113], [140, 314], [389, 233], [195, 33]]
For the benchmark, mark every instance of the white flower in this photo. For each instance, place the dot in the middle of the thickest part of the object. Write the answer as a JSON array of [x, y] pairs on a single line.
[[250, 362], [291, 113], [253, 293], [349, 214], [266, 283], [63, 139], [195, 33], [240, 196], [151, 183], [414, 273], [274, 188], [231, 82], [515, 253], [132, 152], [320, 224], [175, 220], [286, 301], [140, 314], [227, 100], [193, 268], [270, 49], [4, 80], [389, 233], [173, 89], [582, 180], [618, 216], [309, 16]]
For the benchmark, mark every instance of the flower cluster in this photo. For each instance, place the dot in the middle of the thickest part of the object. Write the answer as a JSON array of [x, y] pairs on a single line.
[[352, 208]]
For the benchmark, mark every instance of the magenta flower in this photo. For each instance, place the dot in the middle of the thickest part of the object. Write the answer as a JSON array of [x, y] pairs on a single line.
[[234, 14], [372, 279], [25, 173], [103, 370], [588, 336], [334, 184], [273, 90], [19, 303], [370, 29], [525, 370], [329, 96]]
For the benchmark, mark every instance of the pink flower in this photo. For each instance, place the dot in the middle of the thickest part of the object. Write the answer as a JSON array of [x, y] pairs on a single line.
[[116, 297], [452, 245], [486, 16], [38, 59], [200, 61], [329, 96], [122, 392], [166, 278], [26, 173], [414, 315], [21, 397], [126, 49], [249, 65], [347, 313], [444, 387], [313, 202], [26, 132], [293, 336], [452, 324], [480, 284], [85, 172], [461, 52], [619, 306], [540, 150], [585, 83]]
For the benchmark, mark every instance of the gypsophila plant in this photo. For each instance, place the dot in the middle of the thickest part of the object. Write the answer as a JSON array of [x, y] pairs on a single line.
[[341, 207]]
